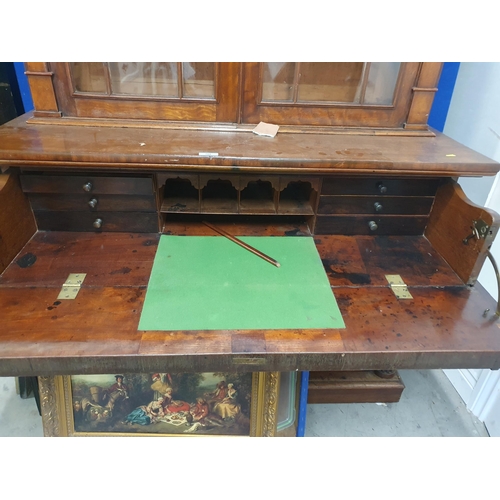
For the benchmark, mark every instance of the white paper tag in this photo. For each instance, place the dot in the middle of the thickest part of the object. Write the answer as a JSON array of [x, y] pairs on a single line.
[[267, 129]]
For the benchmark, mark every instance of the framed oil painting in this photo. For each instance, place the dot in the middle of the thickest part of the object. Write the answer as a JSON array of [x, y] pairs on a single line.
[[161, 404]]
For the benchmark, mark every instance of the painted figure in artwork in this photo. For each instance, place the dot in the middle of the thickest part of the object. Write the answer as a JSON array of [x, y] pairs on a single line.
[[117, 396], [119, 389], [161, 383], [173, 406], [200, 410], [219, 394], [146, 415], [200, 416], [229, 407], [162, 403]]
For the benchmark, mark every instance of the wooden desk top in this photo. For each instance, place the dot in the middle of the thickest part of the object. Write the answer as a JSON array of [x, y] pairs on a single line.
[[237, 149], [441, 327]]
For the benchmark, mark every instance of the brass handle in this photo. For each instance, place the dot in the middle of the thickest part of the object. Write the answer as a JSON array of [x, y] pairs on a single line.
[[372, 225], [378, 207], [381, 188], [97, 223], [87, 186], [92, 203]]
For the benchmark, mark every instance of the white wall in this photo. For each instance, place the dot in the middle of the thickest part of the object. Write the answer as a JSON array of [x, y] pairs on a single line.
[[474, 120]]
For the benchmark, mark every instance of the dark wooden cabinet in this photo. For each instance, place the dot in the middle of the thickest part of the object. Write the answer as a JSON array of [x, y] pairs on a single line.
[[105, 173], [387, 96], [92, 202]]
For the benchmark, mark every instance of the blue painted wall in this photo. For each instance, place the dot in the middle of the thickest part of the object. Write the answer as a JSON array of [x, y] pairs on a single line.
[[442, 99], [24, 87]]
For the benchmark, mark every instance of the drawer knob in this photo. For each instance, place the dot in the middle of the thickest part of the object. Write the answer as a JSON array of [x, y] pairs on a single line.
[[378, 206], [93, 203], [372, 225], [87, 186], [381, 188], [97, 223]]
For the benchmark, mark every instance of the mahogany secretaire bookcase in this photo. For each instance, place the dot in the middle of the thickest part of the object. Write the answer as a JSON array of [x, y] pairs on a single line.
[[115, 155]]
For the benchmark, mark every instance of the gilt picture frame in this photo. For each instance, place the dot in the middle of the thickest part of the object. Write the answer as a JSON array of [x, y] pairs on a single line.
[[160, 404]]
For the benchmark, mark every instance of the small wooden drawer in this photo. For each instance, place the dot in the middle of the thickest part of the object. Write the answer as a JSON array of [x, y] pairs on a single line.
[[380, 186], [371, 225], [377, 205], [86, 184], [135, 222], [92, 202], [353, 387]]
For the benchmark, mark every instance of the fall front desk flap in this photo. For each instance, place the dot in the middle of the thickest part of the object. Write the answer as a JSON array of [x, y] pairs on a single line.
[[211, 283]]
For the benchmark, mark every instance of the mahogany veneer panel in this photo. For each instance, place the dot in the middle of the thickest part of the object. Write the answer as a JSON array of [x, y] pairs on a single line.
[[365, 260], [353, 387], [238, 150], [411, 205], [451, 222], [442, 327], [74, 184], [80, 202], [17, 224], [138, 222], [381, 333], [386, 225], [370, 186], [108, 259]]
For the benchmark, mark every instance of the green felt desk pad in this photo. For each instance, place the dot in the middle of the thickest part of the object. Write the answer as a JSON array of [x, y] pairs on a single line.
[[211, 283]]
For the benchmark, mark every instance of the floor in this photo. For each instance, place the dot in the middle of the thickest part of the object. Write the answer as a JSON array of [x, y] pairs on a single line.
[[429, 406]]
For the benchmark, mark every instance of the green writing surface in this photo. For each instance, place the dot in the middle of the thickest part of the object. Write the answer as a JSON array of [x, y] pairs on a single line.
[[211, 283]]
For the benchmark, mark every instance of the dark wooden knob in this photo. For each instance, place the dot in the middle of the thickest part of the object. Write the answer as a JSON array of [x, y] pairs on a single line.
[[87, 186], [93, 203], [97, 223]]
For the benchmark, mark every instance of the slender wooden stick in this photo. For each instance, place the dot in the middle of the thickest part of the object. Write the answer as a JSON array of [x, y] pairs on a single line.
[[244, 245]]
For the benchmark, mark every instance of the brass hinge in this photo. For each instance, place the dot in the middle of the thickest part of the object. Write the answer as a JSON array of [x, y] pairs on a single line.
[[71, 286], [398, 286], [479, 230]]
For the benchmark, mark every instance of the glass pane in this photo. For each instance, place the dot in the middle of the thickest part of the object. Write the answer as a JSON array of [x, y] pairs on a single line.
[[382, 81], [198, 79], [277, 81], [144, 78], [330, 81], [88, 77]]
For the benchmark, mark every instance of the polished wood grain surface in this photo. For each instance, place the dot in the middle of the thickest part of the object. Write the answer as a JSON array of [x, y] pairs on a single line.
[[441, 327], [378, 205], [353, 387], [363, 261], [104, 202], [108, 259], [145, 150], [140, 222], [371, 154], [362, 224], [78, 184], [451, 222], [17, 224]]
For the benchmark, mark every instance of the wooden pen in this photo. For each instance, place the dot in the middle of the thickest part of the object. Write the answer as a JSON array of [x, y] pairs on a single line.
[[243, 244]]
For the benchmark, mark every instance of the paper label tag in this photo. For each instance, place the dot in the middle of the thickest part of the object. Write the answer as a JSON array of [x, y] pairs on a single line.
[[267, 129]]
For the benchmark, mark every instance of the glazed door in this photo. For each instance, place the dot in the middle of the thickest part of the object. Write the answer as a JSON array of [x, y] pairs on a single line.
[[174, 91], [347, 94]]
